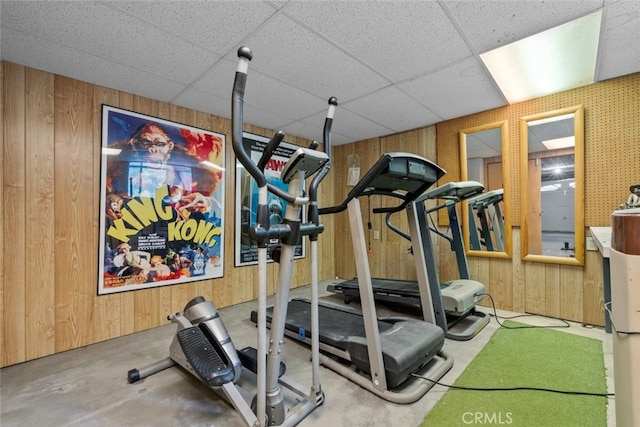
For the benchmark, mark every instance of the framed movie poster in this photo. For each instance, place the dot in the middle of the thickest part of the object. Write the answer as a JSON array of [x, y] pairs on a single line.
[[247, 198], [161, 202]]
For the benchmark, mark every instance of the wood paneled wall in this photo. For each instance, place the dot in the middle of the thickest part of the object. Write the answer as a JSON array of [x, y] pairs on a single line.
[[50, 153], [612, 156], [50, 183], [390, 255]]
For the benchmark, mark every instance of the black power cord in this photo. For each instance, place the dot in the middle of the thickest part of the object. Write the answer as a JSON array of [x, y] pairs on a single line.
[[564, 324], [578, 393]]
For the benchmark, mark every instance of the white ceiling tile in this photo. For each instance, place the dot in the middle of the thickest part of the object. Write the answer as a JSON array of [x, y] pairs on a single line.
[[351, 124], [44, 55], [213, 25], [268, 94], [106, 33], [218, 79], [290, 53], [203, 101], [262, 93], [618, 55], [456, 91], [269, 119], [393, 109], [399, 39], [490, 24], [300, 128]]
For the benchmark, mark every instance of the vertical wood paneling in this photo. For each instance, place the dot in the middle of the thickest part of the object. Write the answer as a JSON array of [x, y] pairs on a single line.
[[534, 278], [4, 124], [552, 290], [325, 241], [14, 176], [483, 275], [519, 291], [501, 284], [571, 293], [75, 276], [593, 292], [107, 308], [447, 263], [390, 255], [40, 215], [345, 263]]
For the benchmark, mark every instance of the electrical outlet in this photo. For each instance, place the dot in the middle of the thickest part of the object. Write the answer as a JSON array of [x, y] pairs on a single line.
[[376, 235], [591, 244]]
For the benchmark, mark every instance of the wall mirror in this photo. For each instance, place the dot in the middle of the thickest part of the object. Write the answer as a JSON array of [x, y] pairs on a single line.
[[552, 186], [484, 157]]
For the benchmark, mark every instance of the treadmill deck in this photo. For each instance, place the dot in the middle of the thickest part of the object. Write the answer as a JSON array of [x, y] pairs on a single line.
[[407, 344]]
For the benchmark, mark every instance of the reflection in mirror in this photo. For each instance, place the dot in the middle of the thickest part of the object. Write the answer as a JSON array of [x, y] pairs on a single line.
[[484, 158], [552, 201], [486, 223]]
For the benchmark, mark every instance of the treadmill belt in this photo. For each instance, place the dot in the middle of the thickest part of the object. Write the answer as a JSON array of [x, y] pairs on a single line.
[[336, 324], [391, 290], [406, 344], [406, 287]]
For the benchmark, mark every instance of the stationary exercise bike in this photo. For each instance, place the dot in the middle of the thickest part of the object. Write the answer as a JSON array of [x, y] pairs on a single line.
[[202, 345]]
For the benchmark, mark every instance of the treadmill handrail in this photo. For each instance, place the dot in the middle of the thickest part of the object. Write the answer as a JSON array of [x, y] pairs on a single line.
[[454, 190], [389, 193], [392, 227], [377, 170], [489, 197]]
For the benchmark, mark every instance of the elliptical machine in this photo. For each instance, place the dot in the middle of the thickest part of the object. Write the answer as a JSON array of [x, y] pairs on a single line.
[[202, 345]]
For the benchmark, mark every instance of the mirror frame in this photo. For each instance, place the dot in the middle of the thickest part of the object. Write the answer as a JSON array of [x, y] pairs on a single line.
[[578, 125], [504, 141]]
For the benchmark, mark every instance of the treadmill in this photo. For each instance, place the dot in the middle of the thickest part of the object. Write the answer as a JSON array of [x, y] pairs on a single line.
[[379, 354], [488, 228], [460, 320]]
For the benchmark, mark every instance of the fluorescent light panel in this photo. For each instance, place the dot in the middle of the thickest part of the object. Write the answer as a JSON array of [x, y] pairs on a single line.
[[553, 61], [558, 143]]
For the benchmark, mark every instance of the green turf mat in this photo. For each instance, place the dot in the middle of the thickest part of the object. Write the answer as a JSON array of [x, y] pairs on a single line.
[[541, 358]]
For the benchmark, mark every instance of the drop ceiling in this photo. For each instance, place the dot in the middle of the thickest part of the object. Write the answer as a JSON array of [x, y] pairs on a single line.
[[393, 65]]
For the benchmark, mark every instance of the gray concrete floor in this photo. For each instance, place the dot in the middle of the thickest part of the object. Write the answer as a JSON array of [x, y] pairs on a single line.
[[88, 386]]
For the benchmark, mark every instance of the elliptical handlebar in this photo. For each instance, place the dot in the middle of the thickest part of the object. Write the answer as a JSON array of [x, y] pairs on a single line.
[[314, 216], [328, 123], [237, 105], [269, 149]]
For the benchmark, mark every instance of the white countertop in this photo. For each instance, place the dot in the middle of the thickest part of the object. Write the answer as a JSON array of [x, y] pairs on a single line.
[[602, 237]]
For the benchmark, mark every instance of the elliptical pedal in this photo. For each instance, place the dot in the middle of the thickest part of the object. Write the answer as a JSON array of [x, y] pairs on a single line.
[[211, 365], [249, 359]]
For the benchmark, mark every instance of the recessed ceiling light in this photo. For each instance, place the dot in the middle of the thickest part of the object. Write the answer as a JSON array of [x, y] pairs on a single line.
[[553, 61]]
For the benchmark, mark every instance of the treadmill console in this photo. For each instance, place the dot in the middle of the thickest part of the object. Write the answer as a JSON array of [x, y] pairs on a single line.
[[406, 172]]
